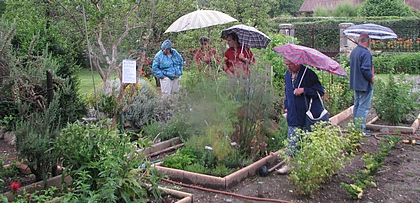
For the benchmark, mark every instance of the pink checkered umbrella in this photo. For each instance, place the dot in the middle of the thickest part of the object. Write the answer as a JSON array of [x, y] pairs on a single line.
[[304, 55]]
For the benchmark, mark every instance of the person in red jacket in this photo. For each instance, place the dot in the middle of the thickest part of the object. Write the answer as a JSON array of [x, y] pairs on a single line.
[[237, 58], [206, 55]]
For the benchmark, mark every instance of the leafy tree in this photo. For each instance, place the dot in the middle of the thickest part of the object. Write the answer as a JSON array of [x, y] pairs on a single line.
[[385, 8], [112, 28], [345, 9], [40, 43], [253, 13], [286, 7]]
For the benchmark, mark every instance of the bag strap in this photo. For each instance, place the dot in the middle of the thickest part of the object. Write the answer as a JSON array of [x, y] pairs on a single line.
[[320, 99], [303, 75]]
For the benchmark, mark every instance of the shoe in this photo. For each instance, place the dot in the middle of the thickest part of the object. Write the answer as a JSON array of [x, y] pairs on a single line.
[[284, 170]]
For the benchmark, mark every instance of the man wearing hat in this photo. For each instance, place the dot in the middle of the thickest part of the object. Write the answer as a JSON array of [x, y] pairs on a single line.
[[167, 67]]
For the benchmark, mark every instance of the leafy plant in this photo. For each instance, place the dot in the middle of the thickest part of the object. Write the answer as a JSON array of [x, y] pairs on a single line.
[[105, 166], [312, 164], [33, 141], [384, 8], [354, 134], [373, 162], [8, 122], [47, 195], [393, 100]]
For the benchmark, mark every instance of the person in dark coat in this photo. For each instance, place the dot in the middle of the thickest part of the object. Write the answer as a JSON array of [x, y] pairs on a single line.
[[361, 80], [301, 84]]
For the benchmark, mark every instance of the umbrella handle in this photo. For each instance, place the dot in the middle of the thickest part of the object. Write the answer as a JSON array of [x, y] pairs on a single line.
[[242, 48]]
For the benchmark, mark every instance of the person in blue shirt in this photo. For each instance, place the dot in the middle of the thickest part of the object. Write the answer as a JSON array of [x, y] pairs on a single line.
[[361, 80], [167, 67], [301, 84]]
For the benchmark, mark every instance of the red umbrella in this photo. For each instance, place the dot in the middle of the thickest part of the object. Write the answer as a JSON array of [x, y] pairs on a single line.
[[304, 55]]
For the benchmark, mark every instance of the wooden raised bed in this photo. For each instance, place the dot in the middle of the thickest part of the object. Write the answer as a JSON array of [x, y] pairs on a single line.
[[54, 181], [162, 147], [393, 129], [342, 116], [214, 182]]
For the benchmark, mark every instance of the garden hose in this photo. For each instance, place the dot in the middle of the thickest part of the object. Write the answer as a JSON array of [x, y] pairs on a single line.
[[225, 192]]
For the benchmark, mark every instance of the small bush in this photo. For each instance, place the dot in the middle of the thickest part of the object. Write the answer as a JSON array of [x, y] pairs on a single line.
[[312, 164], [393, 100], [105, 165]]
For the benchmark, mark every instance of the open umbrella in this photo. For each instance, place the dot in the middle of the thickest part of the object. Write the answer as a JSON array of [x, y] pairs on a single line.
[[311, 57], [374, 31], [248, 36], [199, 19]]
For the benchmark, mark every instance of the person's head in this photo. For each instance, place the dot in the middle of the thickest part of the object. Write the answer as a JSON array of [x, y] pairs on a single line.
[[232, 39], [292, 67], [204, 41], [166, 46], [364, 40]]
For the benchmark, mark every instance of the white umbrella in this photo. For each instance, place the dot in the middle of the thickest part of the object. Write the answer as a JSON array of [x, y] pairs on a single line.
[[374, 31], [199, 19]]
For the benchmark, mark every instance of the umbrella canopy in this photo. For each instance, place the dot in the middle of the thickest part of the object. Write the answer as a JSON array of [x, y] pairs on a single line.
[[199, 19], [248, 36], [312, 57], [374, 31]]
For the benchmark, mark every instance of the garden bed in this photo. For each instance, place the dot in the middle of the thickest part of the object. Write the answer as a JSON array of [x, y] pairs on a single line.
[[214, 182], [54, 181], [375, 125], [162, 149]]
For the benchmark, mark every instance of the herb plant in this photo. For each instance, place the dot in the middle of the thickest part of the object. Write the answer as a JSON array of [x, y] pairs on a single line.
[[393, 100], [105, 165], [312, 164]]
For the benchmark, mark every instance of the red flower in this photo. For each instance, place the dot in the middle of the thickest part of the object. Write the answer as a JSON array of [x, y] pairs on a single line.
[[143, 73], [15, 186], [28, 196]]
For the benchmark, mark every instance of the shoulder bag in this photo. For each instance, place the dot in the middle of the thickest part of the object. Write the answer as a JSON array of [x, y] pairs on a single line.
[[309, 118]]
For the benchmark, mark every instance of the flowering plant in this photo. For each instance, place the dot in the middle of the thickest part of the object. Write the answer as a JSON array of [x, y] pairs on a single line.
[[14, 187]]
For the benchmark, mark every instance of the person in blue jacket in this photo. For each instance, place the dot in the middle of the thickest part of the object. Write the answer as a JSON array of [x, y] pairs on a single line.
[[361, 80], [167, 67], [298, 92]]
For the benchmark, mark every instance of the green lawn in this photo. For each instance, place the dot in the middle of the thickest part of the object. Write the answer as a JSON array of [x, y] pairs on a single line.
[[86, 81]]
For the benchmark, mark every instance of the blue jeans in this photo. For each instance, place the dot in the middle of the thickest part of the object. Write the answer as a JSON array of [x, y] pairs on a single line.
[[361, 108]]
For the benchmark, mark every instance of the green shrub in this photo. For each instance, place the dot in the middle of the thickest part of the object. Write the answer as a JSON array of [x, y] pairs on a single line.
[[393, 100], [175, 127], [105, 166], [33, 141], [143, 107], [405, 63], [312, 164]]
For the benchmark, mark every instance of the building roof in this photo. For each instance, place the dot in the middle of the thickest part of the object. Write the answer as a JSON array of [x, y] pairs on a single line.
[[310, 5], [413, 3]]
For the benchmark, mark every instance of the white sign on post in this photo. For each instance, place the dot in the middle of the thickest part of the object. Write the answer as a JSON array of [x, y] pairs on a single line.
[[129, 71]]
